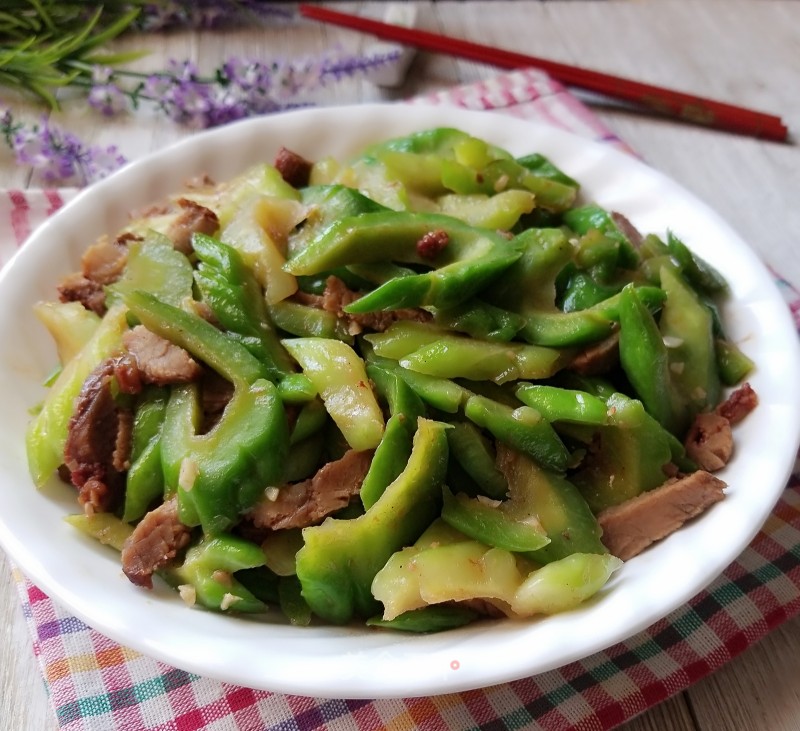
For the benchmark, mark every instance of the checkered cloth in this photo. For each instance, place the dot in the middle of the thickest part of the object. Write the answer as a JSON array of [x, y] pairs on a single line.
[[97, 685]]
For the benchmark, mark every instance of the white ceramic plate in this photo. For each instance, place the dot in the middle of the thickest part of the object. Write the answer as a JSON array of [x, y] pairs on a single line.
[[354, 662]]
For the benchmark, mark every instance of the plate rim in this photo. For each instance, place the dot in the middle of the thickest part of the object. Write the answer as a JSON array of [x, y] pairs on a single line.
[[440, 681]]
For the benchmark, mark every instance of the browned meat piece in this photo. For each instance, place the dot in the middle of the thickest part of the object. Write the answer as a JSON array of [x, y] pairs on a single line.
[[160, 361], [484, 607], [104, 261], [93, 438], [739, 404], [429, 246], [155, 541], [307, 503], [709, 442], [127, 373], [670, 469], [337, 296], [121, 457], [192, 219], [628, 229], [127, 237], [96, 496], [632, 526], [597, 358], [294, 168], [77, 288], [215, 393], [312, 300]]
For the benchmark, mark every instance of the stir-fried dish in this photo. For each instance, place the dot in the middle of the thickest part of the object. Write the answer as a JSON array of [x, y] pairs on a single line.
[[415, 388]]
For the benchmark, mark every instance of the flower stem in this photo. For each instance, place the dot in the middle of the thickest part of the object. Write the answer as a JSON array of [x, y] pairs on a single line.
[[47, 45]]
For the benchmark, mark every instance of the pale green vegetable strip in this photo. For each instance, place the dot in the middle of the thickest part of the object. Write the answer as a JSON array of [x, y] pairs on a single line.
[[416, 577], [47, 432], [341, 379], [70, 324], [563, 584], [468, 570], [260, 179], [104, 527], [155, 266], [501, 211], [256, 231], [280, 548]]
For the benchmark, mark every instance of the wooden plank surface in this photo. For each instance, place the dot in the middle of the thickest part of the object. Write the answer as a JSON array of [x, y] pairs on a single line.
[[742, 51]]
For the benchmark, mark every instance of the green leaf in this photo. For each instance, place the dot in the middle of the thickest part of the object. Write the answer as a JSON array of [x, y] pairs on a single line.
[[45, 44]]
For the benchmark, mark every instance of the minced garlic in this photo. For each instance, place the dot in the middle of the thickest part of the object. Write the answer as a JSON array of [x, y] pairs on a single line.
[[188, 593], [188, 474], [228, 600]]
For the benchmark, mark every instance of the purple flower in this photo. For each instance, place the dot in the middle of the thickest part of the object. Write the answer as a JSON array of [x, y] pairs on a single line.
[[337, 68], [209, 13], [101, 162], [179, 94], [108, 99], [59, 156], [243, 88], [237, 89], [245, 75], [105, 95]]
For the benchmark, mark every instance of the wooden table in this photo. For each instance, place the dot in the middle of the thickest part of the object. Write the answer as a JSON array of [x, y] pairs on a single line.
[[742, 51]]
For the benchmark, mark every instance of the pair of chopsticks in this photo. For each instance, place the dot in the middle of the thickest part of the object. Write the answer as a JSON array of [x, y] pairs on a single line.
[[668, 102]]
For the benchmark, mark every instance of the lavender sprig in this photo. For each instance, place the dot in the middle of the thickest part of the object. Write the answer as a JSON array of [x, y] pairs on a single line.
[[237, 89], [46, 45], [169, 14], [61, 157], [49, 44]]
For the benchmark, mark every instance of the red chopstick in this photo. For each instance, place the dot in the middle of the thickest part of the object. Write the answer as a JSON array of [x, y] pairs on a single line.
[[688, 107]]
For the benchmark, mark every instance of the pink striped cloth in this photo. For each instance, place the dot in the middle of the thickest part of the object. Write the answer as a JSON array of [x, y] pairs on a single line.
[[96, 685], [20, 213]]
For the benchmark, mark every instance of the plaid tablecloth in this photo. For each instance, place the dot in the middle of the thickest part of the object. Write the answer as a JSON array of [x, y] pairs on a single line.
[[97, 685]]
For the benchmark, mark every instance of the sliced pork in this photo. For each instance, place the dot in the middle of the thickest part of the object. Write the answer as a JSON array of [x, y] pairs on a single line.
[[156, 540], [628, 229], [95, 448], [160, 361], [215, 393], [127, 373], [193, 218], [709, 441], [632, 526], [123, 443], [77, 288], [101, 264], [597, 358], [739, 404], [338, 295], [294, 168], [306, 503], [484, 607]]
